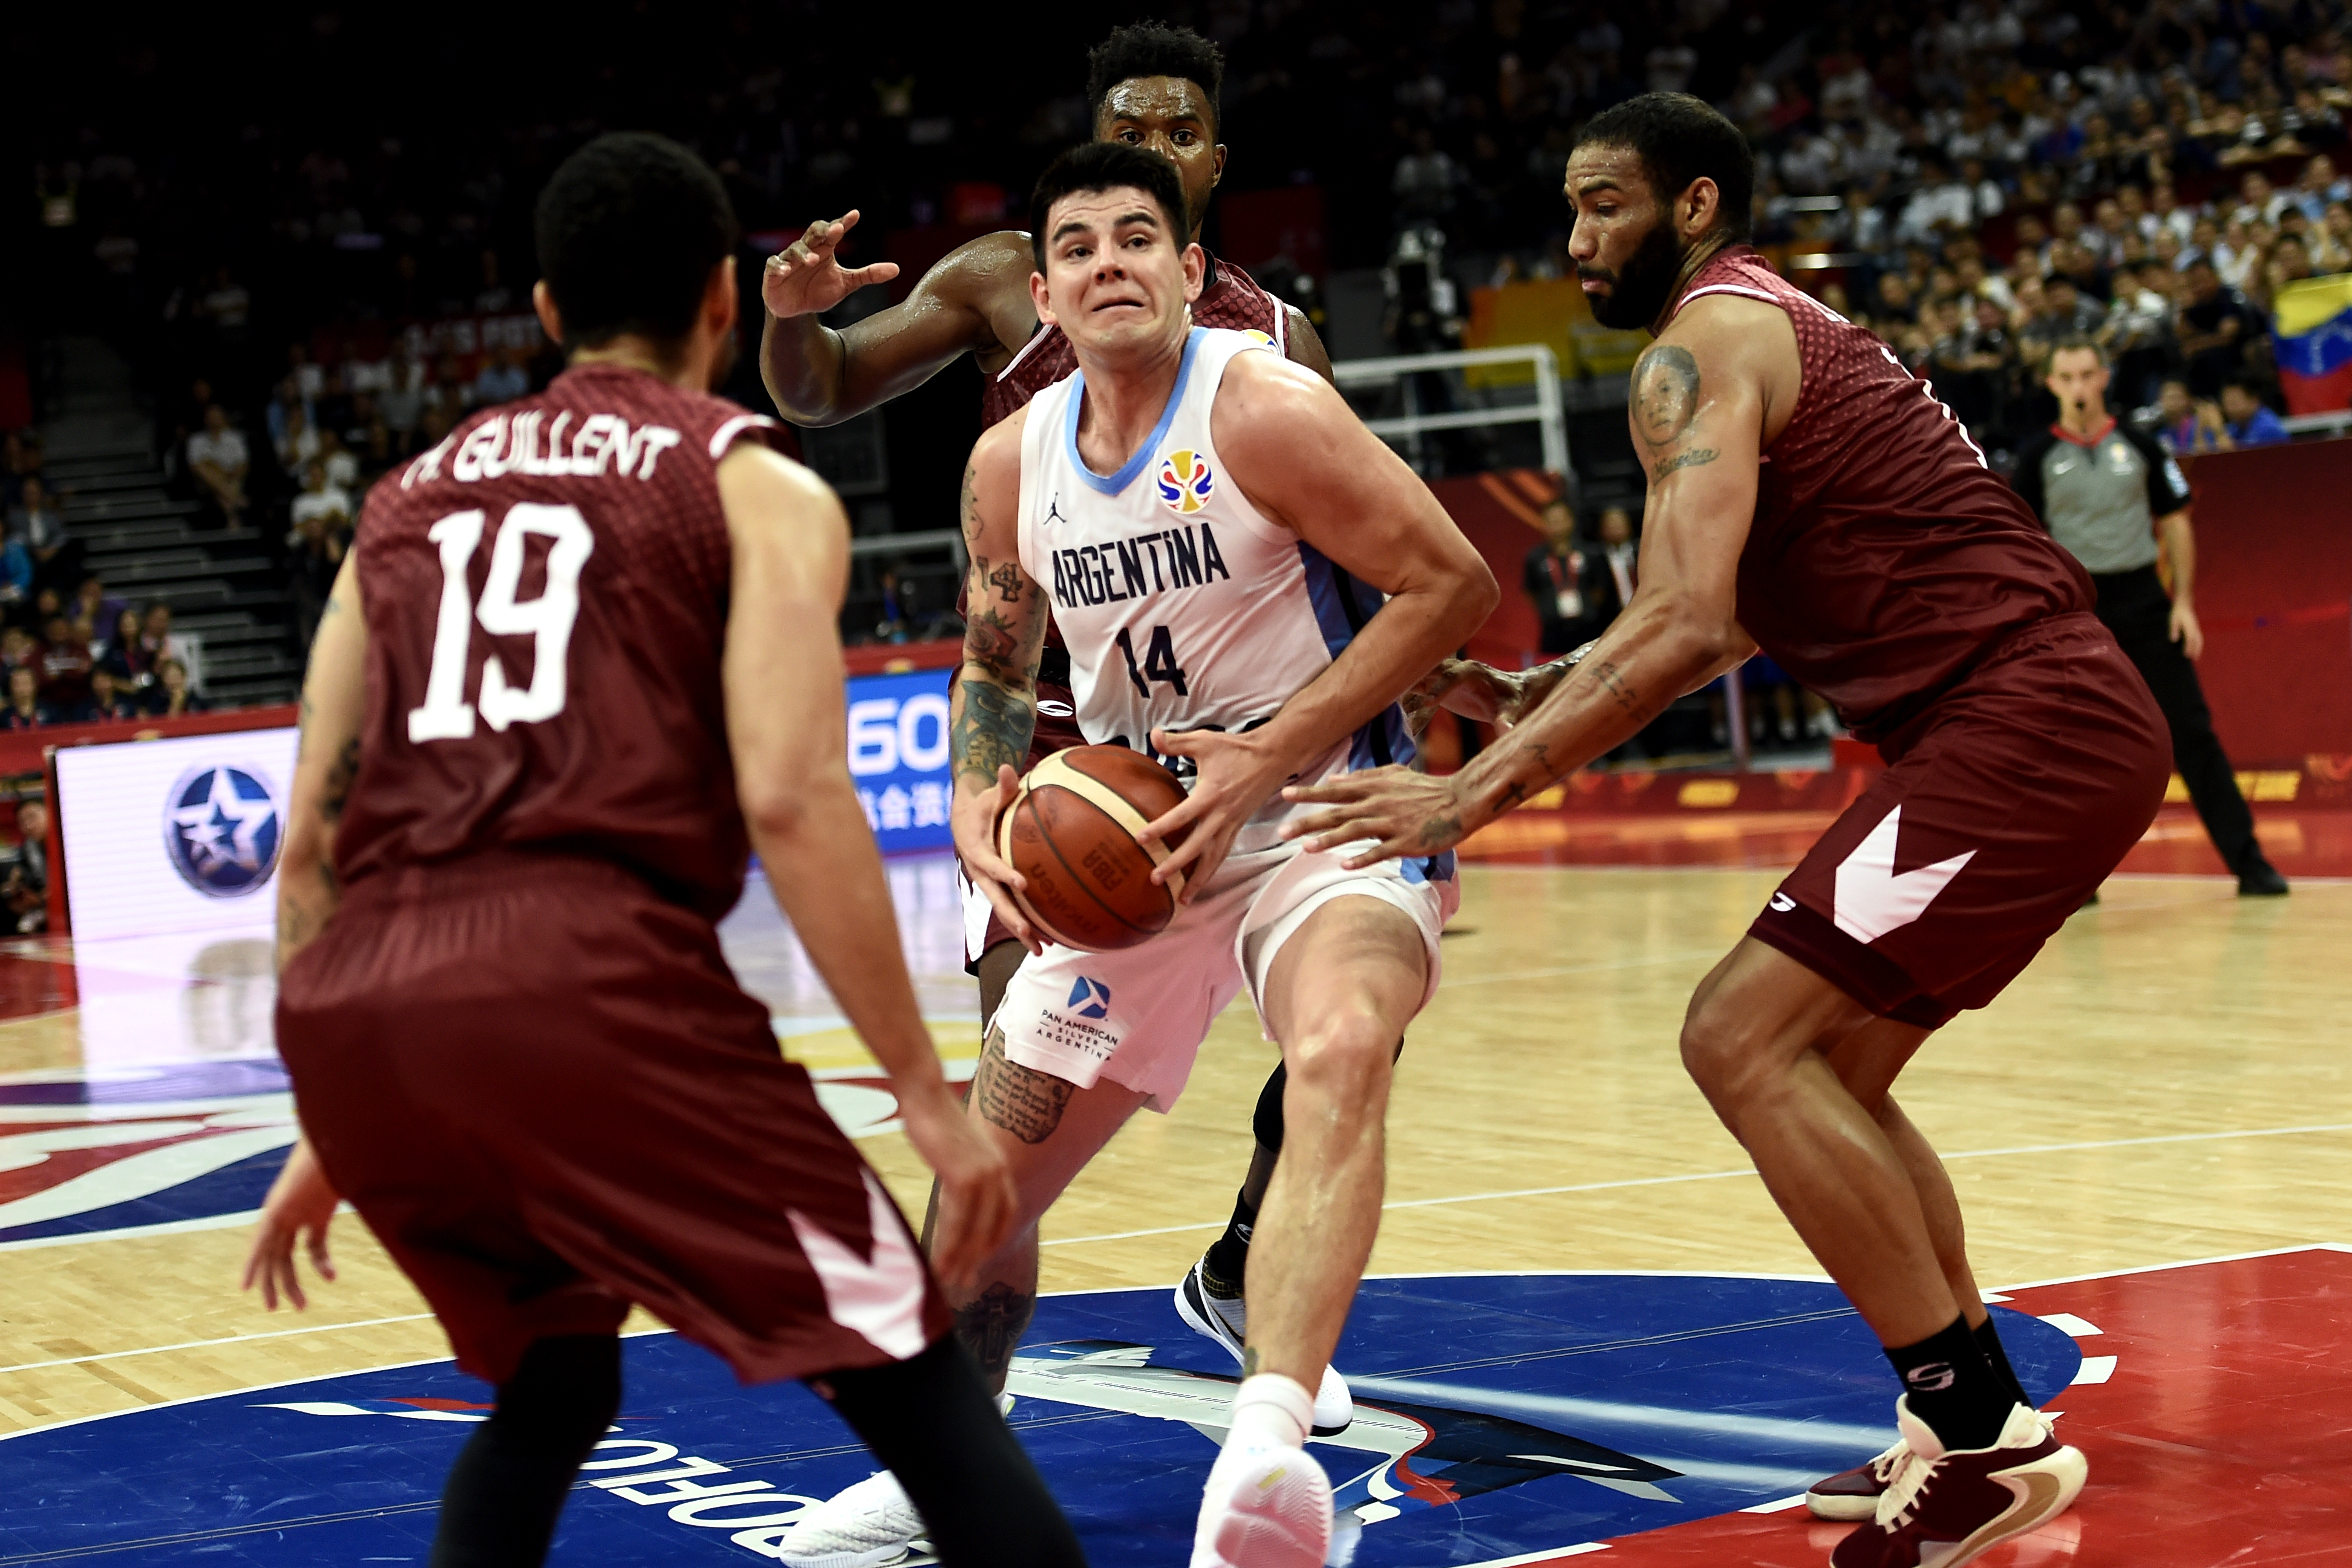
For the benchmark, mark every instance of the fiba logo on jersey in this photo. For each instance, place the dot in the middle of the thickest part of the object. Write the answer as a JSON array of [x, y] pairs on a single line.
[[222, 829], [1185, 481]]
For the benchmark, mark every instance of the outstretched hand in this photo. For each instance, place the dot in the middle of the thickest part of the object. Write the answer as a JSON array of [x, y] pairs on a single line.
[[1480, 691], [1401, 812], [978, 1200], [807, 277], [300, 1207]]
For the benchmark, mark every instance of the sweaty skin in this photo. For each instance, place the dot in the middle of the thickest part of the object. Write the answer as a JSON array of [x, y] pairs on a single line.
[[976, 300]]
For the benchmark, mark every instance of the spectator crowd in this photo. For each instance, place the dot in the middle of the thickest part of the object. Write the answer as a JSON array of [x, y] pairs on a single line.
[[1973, 178], [71, 652]]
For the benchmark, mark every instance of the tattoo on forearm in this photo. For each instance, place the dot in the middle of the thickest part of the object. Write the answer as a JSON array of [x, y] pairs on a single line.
[[1699, 459], [1666, 393], [1249, 1361], [992, 1326], [1007, 581], [1023, 1101], [1614, 682], [1441, 830], [993, 728], [1540, 753]]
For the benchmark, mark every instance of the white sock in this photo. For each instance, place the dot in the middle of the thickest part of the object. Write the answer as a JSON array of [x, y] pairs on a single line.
[[1271, 1411]]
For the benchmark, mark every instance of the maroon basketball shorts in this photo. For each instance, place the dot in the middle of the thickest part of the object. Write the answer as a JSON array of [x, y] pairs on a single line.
[[2002, 810], [1057, 731], [543, 1089]]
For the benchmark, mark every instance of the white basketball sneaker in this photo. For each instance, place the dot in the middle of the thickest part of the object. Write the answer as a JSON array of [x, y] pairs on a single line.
[[868, 1525], [1265, 1508], [1225, 1321]]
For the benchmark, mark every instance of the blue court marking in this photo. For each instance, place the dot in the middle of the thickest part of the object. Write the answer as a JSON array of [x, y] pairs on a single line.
[[222, 1131], [1520, 1413]]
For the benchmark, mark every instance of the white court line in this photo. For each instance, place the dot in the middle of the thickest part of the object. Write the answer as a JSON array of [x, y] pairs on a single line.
[[1554, 1555], [205, 1344], [1728, 1175]]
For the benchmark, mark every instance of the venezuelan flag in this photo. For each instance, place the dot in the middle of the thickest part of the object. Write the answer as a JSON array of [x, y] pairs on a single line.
[[2313, 322]]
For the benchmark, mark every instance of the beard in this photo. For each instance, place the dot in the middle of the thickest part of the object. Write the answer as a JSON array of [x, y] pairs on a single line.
[[1639, 290]]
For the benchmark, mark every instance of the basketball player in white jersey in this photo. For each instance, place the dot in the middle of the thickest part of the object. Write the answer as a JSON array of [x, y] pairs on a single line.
[[1185, 498]]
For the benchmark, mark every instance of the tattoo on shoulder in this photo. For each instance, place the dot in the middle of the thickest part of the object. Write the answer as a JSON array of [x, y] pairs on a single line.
[[1666, 393], [1699, 459], [1023, 1101]]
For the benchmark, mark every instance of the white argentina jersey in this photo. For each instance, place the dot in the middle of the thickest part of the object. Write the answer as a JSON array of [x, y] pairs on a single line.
[[1183, 607]]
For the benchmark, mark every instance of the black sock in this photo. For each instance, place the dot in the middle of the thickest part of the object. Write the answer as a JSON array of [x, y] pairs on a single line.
[[931, 1420], [1988, 1341], [1951, 1387], [509, 1484], [1228, 1256]]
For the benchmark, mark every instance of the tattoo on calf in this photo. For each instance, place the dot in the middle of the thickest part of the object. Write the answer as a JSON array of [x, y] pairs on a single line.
[[992, 1326], [1666, 393], [1023, 1101]]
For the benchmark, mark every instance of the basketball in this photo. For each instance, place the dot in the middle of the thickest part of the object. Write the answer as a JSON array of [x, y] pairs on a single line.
[[1071, 833]]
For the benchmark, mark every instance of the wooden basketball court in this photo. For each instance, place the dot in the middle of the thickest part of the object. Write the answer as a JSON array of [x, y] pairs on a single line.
[[2166, 1084]]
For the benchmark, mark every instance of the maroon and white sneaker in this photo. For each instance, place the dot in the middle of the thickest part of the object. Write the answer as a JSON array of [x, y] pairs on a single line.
[[1941, 1509], [1851, 1496]]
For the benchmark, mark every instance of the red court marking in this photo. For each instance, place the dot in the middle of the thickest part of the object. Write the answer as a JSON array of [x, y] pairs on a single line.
[[30, 985], [2224, 1437], [2299, 842]]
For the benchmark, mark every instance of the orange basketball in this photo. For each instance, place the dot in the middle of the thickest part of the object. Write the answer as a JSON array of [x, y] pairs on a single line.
[[1071, 832]]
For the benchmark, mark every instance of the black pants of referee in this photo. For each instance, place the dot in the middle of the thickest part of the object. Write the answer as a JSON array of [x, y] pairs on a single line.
[[2136, 607]]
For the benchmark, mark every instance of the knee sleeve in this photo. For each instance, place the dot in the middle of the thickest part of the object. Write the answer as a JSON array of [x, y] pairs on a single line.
[[500, 1508], [933, 1422], [1266, 1124]]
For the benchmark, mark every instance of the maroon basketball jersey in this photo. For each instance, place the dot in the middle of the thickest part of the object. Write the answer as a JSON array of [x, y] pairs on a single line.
[[1231, 298], [1886, 557], [546, 601]]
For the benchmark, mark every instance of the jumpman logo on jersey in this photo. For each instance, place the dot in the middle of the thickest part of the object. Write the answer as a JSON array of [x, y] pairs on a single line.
[[1054, 510]]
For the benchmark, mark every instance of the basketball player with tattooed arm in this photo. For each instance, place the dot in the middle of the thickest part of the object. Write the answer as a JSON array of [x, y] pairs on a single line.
[[542, 731], [1185, 503], [1810, 498], [1148, 85]]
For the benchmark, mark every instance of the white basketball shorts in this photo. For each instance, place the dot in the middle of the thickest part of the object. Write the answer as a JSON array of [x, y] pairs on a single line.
[[1138, 1016]]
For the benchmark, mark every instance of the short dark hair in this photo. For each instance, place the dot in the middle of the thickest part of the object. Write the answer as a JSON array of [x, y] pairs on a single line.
[[1154, 48], [1107, 166], [2075, 342], [2251, 386], [1680, 138], [628, 230]]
